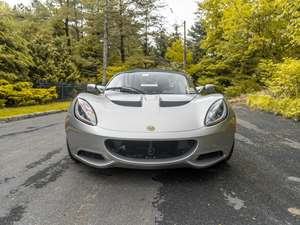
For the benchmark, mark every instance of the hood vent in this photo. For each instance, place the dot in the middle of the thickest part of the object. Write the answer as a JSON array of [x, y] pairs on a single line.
[[172, 103], [124, 99], [175, 100], [129, 103]]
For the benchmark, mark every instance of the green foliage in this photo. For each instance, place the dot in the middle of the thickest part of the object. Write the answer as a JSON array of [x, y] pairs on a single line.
[[237, 45], [242, 87], [15, 60], [291, 10], [284, 106], [112, 70], [265, 70], [175, 54], [197, 34], [2, 103], [209, 67], [22, 93], [242, 40], [3, 82], [132, 63], [61, 41], [220, 82], [52, 60], [284, 79], [8, 76], [162, 43], [147, 12]]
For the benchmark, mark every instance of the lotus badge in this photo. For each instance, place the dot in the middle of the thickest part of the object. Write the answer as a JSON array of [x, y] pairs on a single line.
[[151, 128]]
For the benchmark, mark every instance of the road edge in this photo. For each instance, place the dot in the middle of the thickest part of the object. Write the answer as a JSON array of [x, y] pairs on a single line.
[[31, 115]]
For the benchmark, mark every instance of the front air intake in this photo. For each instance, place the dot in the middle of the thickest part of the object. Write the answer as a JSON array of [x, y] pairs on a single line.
[[150, 149], [211, 155], [90, 155]]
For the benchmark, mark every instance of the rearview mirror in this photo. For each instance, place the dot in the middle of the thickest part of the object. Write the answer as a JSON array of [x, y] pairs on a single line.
[[95, 89]]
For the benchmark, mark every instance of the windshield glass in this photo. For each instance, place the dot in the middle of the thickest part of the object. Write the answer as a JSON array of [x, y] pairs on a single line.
[[152, 83]]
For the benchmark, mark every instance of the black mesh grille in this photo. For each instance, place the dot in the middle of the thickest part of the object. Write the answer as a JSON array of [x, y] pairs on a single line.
[[150, 149]]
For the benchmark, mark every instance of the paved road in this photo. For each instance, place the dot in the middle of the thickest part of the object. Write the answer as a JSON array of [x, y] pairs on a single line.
[[39, 184]]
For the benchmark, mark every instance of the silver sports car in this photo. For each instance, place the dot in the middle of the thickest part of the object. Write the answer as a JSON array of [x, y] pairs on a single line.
[[150, 119]]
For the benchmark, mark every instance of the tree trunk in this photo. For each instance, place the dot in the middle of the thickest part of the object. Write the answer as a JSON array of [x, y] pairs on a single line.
[[146, 51], [81, 20], [67, 29], [184, 45], [121, 30], [105, 43], [76, 23]]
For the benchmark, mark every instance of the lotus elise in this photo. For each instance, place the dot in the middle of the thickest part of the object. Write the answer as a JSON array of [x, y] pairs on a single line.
[[148, 120]]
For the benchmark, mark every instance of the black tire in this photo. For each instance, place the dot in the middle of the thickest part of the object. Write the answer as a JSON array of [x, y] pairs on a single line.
[[70, 154]]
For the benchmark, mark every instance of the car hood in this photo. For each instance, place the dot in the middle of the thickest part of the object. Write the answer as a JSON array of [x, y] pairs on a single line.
[[150, 113]]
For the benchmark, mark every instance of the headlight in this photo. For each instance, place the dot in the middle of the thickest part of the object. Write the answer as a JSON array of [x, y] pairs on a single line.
[[216, 113], [84, 112]]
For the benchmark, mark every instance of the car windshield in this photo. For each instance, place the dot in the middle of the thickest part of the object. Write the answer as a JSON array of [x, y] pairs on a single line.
[[151, 83]]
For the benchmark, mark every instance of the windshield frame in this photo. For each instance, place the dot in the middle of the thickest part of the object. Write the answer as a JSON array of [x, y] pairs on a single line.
[[186, 77]]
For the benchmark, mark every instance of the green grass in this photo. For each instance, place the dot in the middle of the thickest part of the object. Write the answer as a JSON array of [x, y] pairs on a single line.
[[23, 110]]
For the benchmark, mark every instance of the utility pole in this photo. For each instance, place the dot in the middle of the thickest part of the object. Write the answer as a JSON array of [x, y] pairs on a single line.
[[105, 43], [184, 45]]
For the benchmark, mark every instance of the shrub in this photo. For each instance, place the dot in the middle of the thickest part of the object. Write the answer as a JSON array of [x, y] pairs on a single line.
[[22, 86], [22, 93], [241, 87], [282, 79], [174, 53], [2, 103], [265, 70], [111, 71], [220, 82], [3, 82], [233, 91], [287, 107], [8, 76]]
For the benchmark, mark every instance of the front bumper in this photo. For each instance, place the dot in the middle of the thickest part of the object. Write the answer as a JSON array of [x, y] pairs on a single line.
[[218, 138]]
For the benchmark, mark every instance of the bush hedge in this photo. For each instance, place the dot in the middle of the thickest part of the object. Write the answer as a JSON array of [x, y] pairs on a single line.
[[22, 93], [287, 107], [282, 79], [231, 87], [242, 87], [2, 103]]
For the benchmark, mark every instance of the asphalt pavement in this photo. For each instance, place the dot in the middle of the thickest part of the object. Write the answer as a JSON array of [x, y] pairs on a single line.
[[40, 185]]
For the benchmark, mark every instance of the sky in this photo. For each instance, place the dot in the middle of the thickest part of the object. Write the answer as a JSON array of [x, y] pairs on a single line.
[[176, 11]]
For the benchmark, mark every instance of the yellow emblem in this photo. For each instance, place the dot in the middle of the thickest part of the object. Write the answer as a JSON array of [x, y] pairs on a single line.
[[151, 128]]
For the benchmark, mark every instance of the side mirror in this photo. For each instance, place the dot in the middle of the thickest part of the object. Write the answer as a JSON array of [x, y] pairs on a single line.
[[199, 88], [95, 89], [207, 89]]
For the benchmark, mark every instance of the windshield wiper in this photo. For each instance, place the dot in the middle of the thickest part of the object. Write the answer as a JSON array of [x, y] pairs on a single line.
[[126, 89]]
